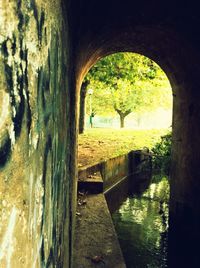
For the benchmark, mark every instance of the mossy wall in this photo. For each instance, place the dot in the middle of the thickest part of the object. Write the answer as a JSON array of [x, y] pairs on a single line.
[[34, 160]]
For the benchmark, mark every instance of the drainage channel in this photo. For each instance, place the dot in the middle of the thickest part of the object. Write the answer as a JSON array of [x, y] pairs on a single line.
[[140, 217]]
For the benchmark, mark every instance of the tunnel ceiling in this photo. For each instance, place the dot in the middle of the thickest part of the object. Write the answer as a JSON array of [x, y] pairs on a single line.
[[94, 16], [147, 27]]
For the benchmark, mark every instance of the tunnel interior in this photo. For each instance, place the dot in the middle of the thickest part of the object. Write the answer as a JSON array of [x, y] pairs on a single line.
[[156, 32], [46, 49]]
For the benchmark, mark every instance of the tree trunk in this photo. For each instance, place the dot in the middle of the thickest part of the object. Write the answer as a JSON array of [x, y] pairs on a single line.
[[122, 120], [82, 107], [122, 115]]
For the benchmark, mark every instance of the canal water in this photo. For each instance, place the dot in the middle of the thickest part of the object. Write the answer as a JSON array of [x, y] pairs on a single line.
[[140, 217]]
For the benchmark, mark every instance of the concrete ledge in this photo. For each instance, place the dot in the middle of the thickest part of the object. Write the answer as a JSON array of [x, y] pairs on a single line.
[[95, 235], [111, 171], [84, 172], [92, 184], [115, 169]]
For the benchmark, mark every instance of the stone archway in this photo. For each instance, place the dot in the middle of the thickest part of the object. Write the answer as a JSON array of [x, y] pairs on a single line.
[[179, 60]]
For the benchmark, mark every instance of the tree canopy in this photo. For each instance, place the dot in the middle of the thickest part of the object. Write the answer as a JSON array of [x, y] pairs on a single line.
[[128, 82]]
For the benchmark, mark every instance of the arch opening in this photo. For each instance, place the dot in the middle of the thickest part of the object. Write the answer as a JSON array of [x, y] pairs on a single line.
[[126, 83], [123, 84]]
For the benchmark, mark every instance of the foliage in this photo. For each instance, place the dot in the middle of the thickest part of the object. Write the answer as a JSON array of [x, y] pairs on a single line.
[[127, 82], [162, 154]]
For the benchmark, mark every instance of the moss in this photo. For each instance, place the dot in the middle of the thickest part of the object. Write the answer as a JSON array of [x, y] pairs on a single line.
[[4, 49], [40, 26], [9, 81], [34, 8], [39, 21], [50, 260], [25, 78], [13, 45], [5, 151], [47, 150]]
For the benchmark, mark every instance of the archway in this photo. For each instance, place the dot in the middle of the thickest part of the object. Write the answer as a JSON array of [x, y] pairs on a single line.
[[113, 73], [173, 53]]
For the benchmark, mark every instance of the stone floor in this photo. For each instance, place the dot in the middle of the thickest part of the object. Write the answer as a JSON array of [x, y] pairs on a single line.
[[96, 243]]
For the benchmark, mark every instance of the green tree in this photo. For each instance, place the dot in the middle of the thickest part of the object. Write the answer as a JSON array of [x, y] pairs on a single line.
[[128, 82]]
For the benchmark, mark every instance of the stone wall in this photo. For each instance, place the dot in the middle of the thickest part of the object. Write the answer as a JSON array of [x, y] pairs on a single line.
[[34, 160], [135, 165]]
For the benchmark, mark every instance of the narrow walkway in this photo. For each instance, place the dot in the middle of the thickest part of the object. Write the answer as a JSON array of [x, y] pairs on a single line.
[[96, 243]]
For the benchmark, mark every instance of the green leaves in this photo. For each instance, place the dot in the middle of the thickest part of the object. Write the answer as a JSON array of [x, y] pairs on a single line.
[[162, 154], [128, 82]]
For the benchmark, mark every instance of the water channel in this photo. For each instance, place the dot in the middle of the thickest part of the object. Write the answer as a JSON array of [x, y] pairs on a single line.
[[140, 216]]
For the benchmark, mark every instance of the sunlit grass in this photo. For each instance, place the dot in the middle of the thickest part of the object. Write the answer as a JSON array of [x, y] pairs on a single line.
[[98, 144]]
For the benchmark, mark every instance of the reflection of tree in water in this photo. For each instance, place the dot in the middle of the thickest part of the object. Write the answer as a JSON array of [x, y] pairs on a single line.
[[144, 221]]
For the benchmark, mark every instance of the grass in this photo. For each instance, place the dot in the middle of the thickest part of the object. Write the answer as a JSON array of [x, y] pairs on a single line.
[[99, 144]]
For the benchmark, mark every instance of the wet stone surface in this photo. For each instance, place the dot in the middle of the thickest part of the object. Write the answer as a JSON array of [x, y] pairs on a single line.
[[96, 244]]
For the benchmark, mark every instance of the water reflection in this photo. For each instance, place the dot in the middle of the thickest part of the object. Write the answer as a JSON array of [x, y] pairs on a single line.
[[141, 223]]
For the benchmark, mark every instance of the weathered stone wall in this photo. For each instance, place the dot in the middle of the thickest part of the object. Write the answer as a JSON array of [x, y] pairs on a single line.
[[34, 160], [135, 164]]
